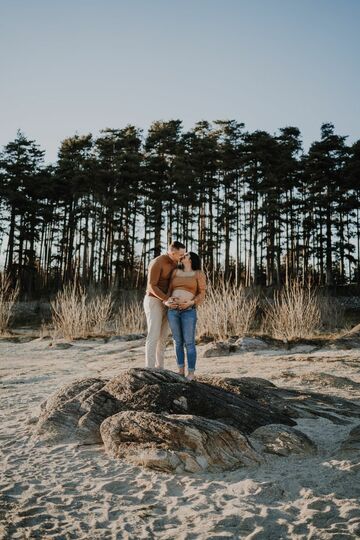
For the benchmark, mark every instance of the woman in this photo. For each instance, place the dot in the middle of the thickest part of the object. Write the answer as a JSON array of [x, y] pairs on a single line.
[[187, 290]]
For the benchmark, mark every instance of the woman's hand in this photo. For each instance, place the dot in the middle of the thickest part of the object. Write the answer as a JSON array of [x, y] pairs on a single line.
[[186, 304]]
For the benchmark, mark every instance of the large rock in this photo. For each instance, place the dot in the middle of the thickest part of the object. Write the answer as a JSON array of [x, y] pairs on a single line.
[[74, 413], [219, 348], [287, 401], [256, 390], [329, 381], [176, 443], [352, 442], [243, 344], [225, 348], [282, 440], [159, 419], [162, 391], [249, 344]]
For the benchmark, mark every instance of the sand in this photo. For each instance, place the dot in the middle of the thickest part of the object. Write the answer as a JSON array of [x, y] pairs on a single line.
[[77, 492]]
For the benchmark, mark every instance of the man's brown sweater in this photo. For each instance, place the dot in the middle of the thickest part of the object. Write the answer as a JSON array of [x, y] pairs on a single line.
[[159, 275]]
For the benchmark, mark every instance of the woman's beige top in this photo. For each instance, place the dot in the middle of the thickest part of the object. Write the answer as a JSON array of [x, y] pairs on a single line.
[[193, 282]]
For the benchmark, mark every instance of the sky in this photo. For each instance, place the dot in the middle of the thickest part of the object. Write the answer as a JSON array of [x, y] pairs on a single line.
[[78, 66]]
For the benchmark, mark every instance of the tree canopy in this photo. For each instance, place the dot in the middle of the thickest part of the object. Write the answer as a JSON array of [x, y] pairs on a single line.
[[255, 206]]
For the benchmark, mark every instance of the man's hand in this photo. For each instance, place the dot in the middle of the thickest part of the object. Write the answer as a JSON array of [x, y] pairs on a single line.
[[172, 302], [186, 304]]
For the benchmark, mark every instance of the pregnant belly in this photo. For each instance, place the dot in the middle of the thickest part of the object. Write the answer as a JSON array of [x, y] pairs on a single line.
[[182, 294]]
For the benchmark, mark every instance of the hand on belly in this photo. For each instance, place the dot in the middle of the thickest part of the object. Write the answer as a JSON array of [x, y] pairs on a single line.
[[180, 296]]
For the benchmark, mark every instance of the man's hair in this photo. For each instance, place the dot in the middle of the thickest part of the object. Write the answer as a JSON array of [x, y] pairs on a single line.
[[176, 245]]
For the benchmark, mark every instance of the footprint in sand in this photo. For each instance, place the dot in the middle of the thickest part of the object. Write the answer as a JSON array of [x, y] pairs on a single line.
[[116, 488]]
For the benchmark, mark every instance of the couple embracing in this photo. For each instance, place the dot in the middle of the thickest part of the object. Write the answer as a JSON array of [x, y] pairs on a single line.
[[176, 286]]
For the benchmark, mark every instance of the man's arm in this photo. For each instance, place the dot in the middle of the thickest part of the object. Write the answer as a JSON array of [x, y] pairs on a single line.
[[171, 283], [153, 280]]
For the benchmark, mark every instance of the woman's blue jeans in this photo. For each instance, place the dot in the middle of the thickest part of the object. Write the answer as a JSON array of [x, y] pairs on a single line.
[[183, 325]]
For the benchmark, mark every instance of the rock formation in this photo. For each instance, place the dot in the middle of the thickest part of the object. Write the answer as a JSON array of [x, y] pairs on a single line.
[[174, 442], [282, 440], [352, 442], [74, 413], [159, 419]]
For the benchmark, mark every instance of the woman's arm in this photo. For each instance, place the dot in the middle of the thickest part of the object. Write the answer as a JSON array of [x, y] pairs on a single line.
[[201, 288]]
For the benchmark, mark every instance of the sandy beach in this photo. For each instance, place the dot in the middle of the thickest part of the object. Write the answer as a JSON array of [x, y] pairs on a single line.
[[78, 492]]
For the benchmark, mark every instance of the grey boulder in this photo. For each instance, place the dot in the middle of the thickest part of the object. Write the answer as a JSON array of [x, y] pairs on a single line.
[[74, 413], [176, 443], [352, 442], [220, 348], [282, 440], [248, 344]]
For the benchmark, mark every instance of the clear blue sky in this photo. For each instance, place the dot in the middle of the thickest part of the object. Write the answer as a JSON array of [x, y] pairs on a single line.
[[81, 65]]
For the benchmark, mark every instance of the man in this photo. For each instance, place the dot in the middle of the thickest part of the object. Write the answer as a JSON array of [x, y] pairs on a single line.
[[159, 274]]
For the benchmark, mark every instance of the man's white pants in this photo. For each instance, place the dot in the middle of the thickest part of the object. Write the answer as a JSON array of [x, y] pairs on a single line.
[[158, 331]]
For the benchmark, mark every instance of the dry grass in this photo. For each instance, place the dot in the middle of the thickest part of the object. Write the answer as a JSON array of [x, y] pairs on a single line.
[[302, 312], [75, 314], [130, 318], [294, 314], [332, 314], [8, 297], [228, 310]]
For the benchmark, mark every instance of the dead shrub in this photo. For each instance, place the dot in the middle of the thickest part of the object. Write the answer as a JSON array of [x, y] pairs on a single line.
[[294, 313], [8, 297], [75, 314], [130, 318], [228, 310], [332, 313]]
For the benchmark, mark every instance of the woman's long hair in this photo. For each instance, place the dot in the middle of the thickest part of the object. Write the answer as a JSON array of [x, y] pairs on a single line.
[[195, 261]]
